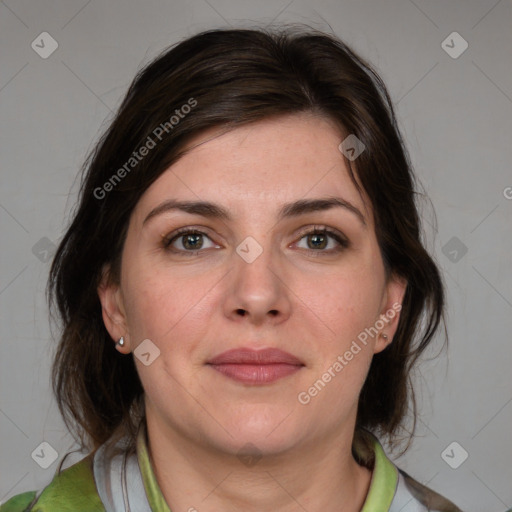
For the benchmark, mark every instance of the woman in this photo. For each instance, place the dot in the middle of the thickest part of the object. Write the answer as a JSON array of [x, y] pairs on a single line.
[[243, 289]]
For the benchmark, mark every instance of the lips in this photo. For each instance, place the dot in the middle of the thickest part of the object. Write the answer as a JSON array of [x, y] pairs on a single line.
[[256, 366]]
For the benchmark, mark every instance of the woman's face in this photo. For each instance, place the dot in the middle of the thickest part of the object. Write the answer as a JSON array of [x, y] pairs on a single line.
[[251, 275]]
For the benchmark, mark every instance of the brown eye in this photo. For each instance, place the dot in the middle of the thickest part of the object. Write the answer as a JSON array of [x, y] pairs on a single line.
[[318, 240], [187, 240], [324, 240], [192, 241]]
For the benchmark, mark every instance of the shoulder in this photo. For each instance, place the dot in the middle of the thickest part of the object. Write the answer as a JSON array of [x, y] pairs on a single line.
[[412, 496], [391, 485], [19, 503], [71, 490]]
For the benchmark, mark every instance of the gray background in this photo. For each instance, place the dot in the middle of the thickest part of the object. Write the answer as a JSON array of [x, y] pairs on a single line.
[[456, 117]]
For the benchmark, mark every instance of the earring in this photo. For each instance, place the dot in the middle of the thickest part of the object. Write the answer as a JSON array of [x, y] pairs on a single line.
[[120, 343], [385, 336]]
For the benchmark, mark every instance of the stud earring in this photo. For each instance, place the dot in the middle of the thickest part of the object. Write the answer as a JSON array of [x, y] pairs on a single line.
[[385, 336], [120, 342]]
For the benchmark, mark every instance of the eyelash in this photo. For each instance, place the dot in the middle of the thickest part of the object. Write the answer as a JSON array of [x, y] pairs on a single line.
[[340, 239]]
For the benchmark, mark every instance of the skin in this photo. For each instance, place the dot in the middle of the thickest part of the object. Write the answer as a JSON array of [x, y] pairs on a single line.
[[311, 302]]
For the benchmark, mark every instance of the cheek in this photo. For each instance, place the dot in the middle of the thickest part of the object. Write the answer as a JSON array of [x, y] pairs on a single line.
[[148, 305], [344, 303], [172, 308]]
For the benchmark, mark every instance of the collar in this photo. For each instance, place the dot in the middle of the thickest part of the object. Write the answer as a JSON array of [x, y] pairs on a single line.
[[154, 494], [380, 496], [384, 482]]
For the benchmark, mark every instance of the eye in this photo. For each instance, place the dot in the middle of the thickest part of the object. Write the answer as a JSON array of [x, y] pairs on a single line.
[[191, 241], [323, 239], [187, 241]]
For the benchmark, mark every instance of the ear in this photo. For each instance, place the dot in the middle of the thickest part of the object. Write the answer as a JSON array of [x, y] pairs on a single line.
[[113, 311], [387, 322]]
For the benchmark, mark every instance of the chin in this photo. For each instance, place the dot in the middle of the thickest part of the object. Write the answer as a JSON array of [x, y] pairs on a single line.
[[256, 446], [262, 433]]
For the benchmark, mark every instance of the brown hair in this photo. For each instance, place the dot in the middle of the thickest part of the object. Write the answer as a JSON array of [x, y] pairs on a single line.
[[230, 78]]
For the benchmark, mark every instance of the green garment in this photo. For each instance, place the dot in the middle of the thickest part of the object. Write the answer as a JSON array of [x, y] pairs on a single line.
[[74, 489], [71, 490]]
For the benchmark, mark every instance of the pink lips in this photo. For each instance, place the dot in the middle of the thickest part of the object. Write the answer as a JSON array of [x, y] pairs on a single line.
[[256, 366]]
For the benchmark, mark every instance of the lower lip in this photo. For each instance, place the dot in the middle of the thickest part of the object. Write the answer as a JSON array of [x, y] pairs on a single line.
[[256, 373]]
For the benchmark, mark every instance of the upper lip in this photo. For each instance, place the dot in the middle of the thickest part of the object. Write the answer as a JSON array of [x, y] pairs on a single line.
[[255, 357]]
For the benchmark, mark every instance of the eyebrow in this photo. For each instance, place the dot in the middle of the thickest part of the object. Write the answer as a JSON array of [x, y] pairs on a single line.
[[289, 210]]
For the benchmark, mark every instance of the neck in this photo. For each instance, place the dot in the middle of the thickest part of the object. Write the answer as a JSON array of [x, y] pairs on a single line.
[[320, 476]]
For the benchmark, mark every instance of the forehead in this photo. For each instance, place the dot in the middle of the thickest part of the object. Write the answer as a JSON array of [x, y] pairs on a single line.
[[264, 164]]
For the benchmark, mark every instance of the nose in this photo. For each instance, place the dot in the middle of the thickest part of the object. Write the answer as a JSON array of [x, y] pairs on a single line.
[[257, 292]]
